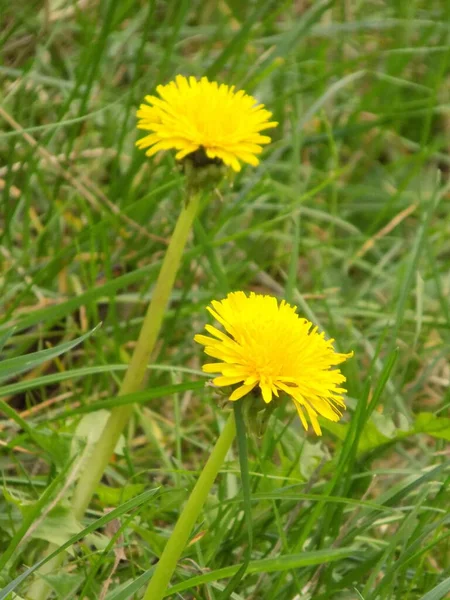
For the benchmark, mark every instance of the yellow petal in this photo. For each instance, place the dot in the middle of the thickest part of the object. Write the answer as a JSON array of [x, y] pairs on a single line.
[[313, 418], [266, 392], [301, 415], [241, 391], [212, 367], [221, 381]]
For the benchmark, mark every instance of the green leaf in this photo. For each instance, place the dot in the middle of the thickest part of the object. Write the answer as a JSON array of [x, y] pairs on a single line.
[[381, 430], [240, 39], [13, 366], [266, 565], [171, 500], [30, 512], [289, 493], [28, 384], [136, 398], [438, 427], [57, 446], [155, 541], [114, 514], [5, 337], [378, 430], [64, 584], [128, 588], [58, 526], [311, 457], [440, 591], [17, 498], [241, 436], [89, 430], [112, 496]]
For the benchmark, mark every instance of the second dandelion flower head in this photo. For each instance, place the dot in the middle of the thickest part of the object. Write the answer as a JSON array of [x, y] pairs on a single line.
[[267, 345]]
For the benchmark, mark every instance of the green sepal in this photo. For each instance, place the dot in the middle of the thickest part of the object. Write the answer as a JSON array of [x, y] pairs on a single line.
[[202, 173], [256, 414]]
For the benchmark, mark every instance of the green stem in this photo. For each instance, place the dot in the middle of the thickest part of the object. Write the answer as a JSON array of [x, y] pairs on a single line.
[[134, 377], [137, 368], [180, 535]]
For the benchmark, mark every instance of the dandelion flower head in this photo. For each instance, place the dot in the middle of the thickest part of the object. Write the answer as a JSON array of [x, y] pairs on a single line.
[[193, 114], [267, 344]]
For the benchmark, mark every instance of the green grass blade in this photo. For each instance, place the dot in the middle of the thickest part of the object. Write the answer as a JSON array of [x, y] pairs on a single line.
[[114, 514], [438, 592], [241, 437], [13, 366]]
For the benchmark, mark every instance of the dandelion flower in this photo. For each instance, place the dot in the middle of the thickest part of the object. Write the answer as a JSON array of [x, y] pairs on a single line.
[[193, 115], [267, 344]]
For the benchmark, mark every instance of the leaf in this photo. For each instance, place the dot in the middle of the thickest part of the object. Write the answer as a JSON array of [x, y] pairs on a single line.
[[122, 591], [28, 384], [285, 562], [58, 526], [337, 429], [89, 430], [5, 337], [311, 457], [17, 498], [117, 512], [135, 398], [378, 430], [381, 430], [64, 584], [438, 592], [266, 565], [241, 436], [57, 445], [30, 513], [156, 541], [97, 540], [13, 366], [437, 427], [171, 500], [112, 496]]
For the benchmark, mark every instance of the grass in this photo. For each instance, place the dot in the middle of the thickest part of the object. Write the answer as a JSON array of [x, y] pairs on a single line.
[[347, 217]]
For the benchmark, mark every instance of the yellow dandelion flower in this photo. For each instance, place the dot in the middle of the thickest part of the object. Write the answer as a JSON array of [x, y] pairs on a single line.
[[190, 115], [267, 344]]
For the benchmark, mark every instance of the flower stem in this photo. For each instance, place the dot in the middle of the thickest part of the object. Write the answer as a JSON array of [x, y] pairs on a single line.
[[180, 535], [133, 379], [135, 374]]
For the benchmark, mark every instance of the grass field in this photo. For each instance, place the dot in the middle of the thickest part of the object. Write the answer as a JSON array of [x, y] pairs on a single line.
[[347, 217]]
